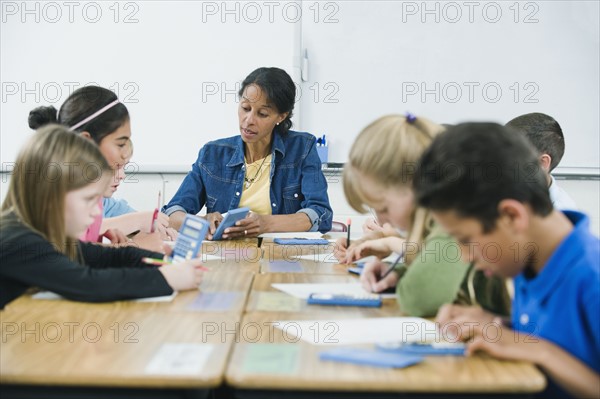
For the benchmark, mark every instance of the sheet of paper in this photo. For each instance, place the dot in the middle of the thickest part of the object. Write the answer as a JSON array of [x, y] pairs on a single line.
[[52, 296], [219, 301], [179, 359], [321, 258], [277, 302], [207, 257], [271, 359], [302, 291], [300, 234], [360, 331], [285, 266]]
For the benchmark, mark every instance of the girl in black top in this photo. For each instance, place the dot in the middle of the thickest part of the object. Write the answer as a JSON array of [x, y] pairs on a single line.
[[52, 199]]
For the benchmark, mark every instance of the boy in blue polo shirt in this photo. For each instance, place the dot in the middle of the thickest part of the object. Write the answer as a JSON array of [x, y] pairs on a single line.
[[485, 186]]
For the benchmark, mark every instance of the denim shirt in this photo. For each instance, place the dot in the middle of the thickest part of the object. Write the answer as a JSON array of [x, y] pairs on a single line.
[[297, 181]]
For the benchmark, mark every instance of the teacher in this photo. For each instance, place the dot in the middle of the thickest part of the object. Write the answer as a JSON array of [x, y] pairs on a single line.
[[274, 171]]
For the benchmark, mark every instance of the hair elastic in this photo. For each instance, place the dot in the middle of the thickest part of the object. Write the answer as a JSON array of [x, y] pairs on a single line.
[[95, 114], [410, 118]]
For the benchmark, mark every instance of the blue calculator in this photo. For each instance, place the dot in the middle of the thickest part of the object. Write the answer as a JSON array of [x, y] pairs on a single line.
[[189, 241], [366, 300], [424, 349], [229, 220]]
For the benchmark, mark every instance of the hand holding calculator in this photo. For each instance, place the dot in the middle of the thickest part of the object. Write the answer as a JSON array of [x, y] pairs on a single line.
[[189, 241]]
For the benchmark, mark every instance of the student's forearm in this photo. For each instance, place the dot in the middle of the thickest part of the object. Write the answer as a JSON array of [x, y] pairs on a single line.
[[126, 223], [567, 371], [283, 223], [176, 219]]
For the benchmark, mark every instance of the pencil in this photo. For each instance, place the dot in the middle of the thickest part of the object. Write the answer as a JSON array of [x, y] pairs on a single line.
[[349, 222], [392, 267]]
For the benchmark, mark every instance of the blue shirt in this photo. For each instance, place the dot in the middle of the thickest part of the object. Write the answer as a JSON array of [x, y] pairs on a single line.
[[297, 181], [562, 303], [115, 207]]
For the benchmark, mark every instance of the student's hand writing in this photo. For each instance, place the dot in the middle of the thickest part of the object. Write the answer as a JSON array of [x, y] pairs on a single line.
[[371, 225], [183, 276], [213, 220], [339, 251], [380, 248], [251, 226], [116, 236], [371, 274], [459, 323]]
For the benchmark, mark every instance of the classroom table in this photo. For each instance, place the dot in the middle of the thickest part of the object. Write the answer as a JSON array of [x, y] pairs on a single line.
[[234, 302], [268, 362]]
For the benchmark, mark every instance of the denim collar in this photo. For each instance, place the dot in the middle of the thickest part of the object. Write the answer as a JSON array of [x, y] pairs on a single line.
[[238, 156]]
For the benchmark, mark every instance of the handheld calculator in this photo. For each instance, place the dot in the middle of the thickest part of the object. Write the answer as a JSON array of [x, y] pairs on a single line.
[[366, 300], [189, 241]]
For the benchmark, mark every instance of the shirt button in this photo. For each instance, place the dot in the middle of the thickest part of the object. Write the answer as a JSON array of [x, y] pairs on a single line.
[[237, 193], [295, 195], [274, 204], [524, 319]]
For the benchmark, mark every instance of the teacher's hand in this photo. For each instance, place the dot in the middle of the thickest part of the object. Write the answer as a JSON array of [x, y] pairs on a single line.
[[213, 220], [251, 226]]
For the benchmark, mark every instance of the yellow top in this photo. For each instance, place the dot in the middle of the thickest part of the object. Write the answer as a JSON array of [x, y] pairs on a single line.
[[257, 187]]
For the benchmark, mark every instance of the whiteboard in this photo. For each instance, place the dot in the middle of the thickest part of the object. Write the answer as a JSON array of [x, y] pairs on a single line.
[[177, 65], [454, 62]]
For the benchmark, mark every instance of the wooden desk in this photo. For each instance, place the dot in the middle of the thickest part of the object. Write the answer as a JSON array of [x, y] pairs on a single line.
[[234, 254], [235, 285], [302, 370], [298, 307], [84, 347]]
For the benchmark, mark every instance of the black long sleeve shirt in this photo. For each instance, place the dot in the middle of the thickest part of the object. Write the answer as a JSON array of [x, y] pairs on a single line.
[[28, 260]]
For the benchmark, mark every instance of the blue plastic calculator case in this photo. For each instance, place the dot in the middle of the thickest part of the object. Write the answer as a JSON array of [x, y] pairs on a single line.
[[229, 220], [189, 241], [366, 300]]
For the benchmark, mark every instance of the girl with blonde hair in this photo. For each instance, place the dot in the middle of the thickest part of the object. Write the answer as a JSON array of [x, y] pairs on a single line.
[[379, 175]]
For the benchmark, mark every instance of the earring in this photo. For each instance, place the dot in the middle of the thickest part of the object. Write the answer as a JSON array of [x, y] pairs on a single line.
[[278, 123]]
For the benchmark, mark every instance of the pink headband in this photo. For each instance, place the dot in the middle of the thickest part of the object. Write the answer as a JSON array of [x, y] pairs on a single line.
[[95, 114]]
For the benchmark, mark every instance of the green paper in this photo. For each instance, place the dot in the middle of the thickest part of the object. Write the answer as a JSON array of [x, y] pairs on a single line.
[[271, 359], [278, 302]]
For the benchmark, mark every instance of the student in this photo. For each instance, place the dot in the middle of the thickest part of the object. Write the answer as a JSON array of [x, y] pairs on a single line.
[[98, 115], [379, 174], [52, 198], [485, 186], [545, 134], [274, 171]]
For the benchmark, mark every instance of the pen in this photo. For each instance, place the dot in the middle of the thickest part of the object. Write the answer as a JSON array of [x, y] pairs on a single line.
[[155, 215], [388, 271], [374, 215], [349, 222], [161, 262]]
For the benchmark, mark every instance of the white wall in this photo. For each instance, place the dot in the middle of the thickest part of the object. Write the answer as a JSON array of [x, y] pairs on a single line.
[[176, 64]]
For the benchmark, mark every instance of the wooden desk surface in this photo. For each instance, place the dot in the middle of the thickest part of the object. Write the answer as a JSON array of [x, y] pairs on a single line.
[[281, 302], [234, 254], [271, 361], [86, 347], [232, 285]]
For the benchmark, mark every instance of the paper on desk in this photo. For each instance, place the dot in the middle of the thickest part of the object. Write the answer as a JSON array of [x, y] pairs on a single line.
[[321, 258], [179, 359], [53, 296], [300, 234], [360, 331], [302, 291]]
